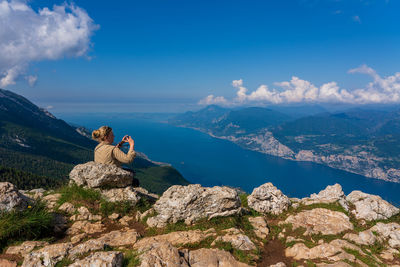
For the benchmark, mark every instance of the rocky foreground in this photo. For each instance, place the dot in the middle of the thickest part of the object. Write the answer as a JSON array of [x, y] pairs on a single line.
[[199, 226]]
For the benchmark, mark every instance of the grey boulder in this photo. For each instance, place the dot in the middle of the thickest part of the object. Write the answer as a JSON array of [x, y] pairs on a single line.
[[371, 207], [268, 199], [99, 175], [11, 198], [194, 202]]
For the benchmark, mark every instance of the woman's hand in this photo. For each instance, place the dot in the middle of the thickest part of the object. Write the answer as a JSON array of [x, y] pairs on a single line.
[[129, 139]]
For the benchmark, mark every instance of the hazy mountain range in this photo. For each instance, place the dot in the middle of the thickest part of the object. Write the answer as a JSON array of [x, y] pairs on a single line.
[[363, 140]]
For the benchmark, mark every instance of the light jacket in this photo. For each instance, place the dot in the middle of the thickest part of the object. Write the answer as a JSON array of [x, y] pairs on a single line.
[[109, 154]]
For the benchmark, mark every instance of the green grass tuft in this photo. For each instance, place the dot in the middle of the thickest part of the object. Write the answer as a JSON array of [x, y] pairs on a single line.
[[31, 223], [131, 258], [78, 195], [64, 262]]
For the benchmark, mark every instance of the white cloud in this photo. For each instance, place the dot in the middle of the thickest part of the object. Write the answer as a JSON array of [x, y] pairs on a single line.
[[357, 19], [27, 36], [31, 80], [380, 90], [212, 100]]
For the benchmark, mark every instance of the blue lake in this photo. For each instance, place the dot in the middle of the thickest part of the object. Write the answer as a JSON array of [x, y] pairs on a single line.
[[211, 161]]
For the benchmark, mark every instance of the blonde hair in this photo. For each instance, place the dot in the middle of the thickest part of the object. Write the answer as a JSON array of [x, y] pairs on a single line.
[[101, 133]]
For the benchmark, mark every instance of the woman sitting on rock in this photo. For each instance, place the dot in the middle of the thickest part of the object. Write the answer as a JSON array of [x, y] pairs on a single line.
[[107, 153]]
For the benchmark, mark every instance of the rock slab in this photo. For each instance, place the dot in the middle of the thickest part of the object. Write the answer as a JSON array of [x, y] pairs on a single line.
[[194, 202], [99, 175], [371, 207], [319, 220]]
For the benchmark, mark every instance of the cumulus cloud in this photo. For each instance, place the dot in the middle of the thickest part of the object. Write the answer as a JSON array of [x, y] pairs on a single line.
[[212, 100], [31, 80], [380, 90], [29, 36]]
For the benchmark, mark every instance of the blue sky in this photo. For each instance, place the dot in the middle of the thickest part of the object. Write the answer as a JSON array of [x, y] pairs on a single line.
[[165, 56]]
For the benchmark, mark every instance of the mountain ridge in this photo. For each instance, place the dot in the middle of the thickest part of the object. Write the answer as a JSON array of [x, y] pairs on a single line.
[[356, 140]]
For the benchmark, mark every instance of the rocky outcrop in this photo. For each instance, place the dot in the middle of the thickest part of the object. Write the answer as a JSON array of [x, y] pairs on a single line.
[[268, 199], [121, 194], [260, 226], [212, 258], [47, 256], [371, 207], [164, 254], [11, 198], [331, 251], [25, 247], [161, 254], [113, 239], [194, 202], [321, 220], [98, 175], [236, 238], [366, 237], [177, 238], [85, 227], [331, 194], [103, 258], [389, 232]]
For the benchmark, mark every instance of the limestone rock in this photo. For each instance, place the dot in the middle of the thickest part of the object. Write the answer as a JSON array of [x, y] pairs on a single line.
[[84, 214], [125, 220], [335, 264], [175, 238], [321, 220], [193, 202], [332, 251], [98, 175], [237, 239], [88, 246], [86, 227], [371, 207], [7, 263], [331, 194], [11, 198], [388, 254], [103, 258], [47, 256], [51, 200], [362, 238], [388, 231], [120, 238], [121, 194], [279, 264], [144, 214], [113, 216], [67, 207], [34, 193], [78, 238], [213, 258], [260, 226], [25, 247], [161, 254], [114, 239], [268, 199]]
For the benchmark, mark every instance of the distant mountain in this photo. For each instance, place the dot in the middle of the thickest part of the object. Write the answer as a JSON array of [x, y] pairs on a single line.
[[37, 145], [358, 140], [223, 121]]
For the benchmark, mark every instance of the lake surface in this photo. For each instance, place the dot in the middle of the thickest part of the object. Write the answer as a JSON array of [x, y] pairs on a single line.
[[211, 161]]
